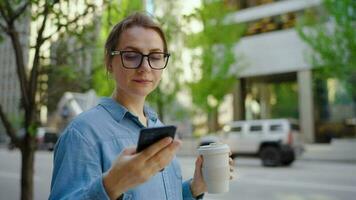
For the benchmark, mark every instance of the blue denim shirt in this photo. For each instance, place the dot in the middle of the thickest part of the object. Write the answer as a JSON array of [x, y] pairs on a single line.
[[89, 145]]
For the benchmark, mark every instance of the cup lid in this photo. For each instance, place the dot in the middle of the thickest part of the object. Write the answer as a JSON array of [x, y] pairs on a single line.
[[214, 148]]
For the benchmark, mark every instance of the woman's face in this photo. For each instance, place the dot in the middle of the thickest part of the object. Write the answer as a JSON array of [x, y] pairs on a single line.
[[143, 80]]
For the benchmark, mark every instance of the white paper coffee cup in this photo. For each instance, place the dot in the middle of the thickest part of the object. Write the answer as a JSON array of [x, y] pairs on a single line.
[[216, 168]]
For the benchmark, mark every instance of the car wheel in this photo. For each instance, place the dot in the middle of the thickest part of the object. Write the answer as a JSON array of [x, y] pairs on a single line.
[[287, 162], [288, 159], [270, 156]]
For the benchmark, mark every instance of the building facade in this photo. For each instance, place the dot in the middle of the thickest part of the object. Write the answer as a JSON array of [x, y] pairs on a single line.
[[278, 81]]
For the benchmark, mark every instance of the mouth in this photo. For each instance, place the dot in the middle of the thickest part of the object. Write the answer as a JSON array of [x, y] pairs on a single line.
[[143, 81]]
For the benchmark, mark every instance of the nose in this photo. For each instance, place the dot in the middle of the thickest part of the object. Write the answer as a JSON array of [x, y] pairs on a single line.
[[145, 66]]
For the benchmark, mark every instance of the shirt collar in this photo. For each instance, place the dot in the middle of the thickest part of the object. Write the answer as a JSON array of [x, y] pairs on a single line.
[[149, 113], [118, 111]]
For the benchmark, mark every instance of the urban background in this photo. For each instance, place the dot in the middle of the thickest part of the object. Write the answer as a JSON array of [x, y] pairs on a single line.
[[232, 60]]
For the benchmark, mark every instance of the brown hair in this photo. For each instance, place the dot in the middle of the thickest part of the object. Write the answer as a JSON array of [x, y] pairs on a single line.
[[136, 19]]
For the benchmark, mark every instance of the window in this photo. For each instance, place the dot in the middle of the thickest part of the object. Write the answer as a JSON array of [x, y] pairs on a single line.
[[236, 129], [256, 128], [276, 127]]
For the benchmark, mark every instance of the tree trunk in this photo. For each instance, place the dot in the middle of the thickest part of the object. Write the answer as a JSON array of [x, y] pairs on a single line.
[[213, 120], [27, 170]]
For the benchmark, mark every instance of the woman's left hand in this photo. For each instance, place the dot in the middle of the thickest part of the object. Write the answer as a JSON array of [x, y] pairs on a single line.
[[198, 185]]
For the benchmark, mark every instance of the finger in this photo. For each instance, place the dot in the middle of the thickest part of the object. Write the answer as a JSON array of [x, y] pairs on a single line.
[[198, 166], [231, 161], [155, 148], [231, 169], [164, 156], [230, 153], [129, 151], [199, 161], [232, 176]]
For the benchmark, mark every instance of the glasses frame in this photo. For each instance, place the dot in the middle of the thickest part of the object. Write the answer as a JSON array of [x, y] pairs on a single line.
[[119, 52]]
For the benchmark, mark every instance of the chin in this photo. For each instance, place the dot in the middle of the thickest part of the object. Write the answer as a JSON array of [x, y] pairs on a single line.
[[142, 93]]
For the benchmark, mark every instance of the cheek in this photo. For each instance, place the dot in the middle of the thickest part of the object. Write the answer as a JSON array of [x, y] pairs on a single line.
[[121, 75], [158, 75]]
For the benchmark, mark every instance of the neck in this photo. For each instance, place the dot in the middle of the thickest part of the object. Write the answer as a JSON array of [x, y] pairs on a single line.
[[134, 104]]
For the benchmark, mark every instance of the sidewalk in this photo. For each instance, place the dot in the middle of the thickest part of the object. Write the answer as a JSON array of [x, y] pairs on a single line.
[[339, 150]]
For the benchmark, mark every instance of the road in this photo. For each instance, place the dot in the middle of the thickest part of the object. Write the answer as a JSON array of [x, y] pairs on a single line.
[[304, 180]]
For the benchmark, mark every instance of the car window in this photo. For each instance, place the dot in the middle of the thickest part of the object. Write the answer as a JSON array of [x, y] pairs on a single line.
[[236, 129], [276, 127], [255, 128]]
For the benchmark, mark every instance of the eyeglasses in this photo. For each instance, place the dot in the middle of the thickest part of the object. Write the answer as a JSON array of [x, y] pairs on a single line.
[[133, 59]]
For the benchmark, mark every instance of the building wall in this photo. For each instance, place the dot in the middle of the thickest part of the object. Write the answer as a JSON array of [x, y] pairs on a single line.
[[271, 47], [272, 53]]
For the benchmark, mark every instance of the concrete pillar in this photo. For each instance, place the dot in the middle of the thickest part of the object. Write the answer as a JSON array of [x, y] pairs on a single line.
[[239, 100], [306, 108], [264, 101]]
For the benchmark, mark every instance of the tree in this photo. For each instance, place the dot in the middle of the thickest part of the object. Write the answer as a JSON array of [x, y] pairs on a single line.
[[166, 93], [71, 57], [332, 37], [214, 69], [52, 17]]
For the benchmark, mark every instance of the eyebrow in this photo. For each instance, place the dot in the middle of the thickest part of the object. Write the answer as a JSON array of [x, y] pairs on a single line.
[[136, 49]]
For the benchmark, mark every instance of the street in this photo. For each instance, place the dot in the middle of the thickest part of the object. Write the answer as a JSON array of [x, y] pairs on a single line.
[[304, 180]]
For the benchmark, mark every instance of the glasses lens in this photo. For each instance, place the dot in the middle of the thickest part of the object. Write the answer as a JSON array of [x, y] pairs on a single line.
[[131, 59], [158, 60]]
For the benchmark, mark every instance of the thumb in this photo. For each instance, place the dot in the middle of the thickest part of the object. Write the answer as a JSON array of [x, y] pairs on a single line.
[[199, 162], [129, 151]]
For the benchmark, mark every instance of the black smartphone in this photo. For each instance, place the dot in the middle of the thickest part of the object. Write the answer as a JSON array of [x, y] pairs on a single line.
[[148, 136]]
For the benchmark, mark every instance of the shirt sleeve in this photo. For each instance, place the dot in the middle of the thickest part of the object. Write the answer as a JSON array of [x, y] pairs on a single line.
[[77, 173]]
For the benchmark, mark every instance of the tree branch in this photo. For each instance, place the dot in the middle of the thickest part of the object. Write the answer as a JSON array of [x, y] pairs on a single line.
[[36, 60], [3, 14], [20, 64], [73, 21], [3, 27], [19, 11], [13, 34], [9, 128]]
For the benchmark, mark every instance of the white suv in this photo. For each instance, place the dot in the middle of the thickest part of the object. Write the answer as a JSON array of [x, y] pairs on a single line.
[[276, 141]]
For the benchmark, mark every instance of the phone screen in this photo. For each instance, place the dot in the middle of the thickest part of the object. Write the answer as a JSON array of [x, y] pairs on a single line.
[[149, 136]]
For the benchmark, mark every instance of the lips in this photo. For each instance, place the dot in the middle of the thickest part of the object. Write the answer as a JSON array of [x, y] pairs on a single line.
[[142, 81]]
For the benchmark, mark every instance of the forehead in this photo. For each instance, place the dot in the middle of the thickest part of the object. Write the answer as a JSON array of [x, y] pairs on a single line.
[[140, 38]]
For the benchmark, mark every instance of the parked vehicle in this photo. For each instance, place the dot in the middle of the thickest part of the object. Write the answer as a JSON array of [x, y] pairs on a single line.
[[46, 138], [276, 141]]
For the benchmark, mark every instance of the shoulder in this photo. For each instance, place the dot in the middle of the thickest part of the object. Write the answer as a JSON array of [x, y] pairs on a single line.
[[88, 124], [93, 115]]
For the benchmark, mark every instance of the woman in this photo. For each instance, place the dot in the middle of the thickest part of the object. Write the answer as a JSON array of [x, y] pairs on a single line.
[[95, 158]]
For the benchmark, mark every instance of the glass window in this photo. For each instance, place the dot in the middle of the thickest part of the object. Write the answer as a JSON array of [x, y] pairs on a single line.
[[236, 129], [256, 128], [276, 127]]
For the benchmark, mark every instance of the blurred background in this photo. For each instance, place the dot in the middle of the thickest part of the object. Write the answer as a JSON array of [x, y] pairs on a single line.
[[232, 60]]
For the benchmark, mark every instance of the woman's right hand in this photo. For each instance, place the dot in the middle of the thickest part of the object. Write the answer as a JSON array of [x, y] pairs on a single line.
[[131, 169]]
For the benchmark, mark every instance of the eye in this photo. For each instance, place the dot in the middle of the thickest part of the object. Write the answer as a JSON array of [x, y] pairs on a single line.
[[157, 56], [131, 55]]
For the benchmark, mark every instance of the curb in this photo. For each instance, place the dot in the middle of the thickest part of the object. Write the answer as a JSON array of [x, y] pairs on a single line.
[[328, 160]]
